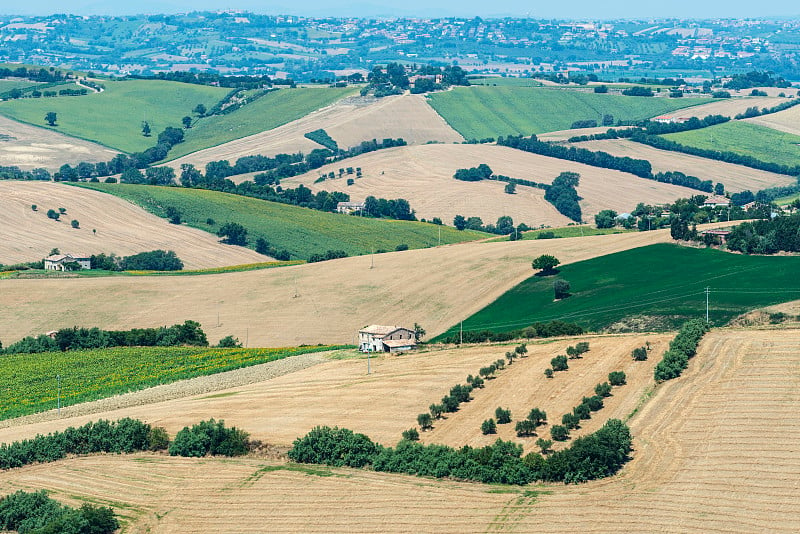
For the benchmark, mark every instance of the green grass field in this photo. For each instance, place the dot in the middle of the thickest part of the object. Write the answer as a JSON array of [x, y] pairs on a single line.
[[744, 138], [30, 384], [8, 85], [268, 112], [481, 112], [665, 282], [301, 231], [114, 118]]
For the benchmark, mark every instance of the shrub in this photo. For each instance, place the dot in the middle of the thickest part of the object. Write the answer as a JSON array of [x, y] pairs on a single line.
[[544, 445], [548, 373], [582, 411], [503, 416], [595, 403], [489, 427], [53, 214], [334, 446], [561, 289], [603, 390], [559, 363], [526, 427], [75, 224], [210, 437], [229, 342], [571, 421], [559, 433], [156, 260], [411, 434], [157, 439], [36, 512], [425, 421], [639, 354], [34, 207], [616, 378], [401, 247]]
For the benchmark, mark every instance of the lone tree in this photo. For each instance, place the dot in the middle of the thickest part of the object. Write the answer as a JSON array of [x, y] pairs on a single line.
[[187, 122], [546, 263], [200, 109], [146, 131], [51, 118], [233, 233]]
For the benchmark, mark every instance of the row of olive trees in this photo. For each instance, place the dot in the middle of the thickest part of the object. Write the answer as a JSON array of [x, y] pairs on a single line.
[[559, 363], [583, 411]]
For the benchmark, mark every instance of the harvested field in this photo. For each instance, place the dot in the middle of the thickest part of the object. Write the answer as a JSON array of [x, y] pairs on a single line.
[[161, 494], [275, 307], [728, 107], [122, 228], [787, 120], [29, 147], [348, 122], [386, 402], [563, 135], [423, 175], [715, 450], [735, 177]]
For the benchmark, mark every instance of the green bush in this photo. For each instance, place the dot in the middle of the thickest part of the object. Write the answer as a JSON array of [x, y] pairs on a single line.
[[412, 434], [639, 354], [603, 390], [559, 363], [526, 427], [559, 433], [36, 513], [334, 446], [210, 437], [616, 378], [489, 427], [503, 416]]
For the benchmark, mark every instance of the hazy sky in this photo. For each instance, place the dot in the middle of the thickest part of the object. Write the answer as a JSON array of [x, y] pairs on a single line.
[[463, 8]]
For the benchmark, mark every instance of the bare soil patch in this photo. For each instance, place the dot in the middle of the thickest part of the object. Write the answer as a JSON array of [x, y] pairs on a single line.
[[122, 228], [29, 147], [735, 177]]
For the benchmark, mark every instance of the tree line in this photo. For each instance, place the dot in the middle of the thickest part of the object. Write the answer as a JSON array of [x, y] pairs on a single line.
[[766, 236], [597, 455], [75, 338], [681, 349], [36, 513], [536, 330]]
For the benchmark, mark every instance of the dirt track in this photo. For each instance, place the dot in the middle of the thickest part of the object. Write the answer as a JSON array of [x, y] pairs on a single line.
[[122, 228]]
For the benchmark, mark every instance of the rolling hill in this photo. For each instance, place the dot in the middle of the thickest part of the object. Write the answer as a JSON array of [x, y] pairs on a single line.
[[423, 175], [481, 112], [122, 228]]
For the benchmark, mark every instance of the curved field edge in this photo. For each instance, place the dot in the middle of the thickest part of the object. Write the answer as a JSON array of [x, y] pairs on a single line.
[[38, 382], [301, 231], [663, 284]]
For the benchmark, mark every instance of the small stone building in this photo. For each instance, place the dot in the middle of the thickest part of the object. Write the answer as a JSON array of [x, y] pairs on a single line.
[[56, 262], [378, 338]]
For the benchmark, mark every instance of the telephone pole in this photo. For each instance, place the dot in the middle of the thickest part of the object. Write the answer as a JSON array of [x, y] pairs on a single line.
[[708, 289]]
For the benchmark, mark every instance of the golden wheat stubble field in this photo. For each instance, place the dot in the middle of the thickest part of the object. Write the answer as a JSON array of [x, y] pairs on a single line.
[[714, 451], [29, 147], [121, 228], [730, 107], [349, 122], [787, 120], [736, 178], [423, 175], [387, 401], [324, 302]]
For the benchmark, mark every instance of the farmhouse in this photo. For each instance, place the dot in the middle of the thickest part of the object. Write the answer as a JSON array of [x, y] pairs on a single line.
[[377, 338], [717, 201], [57, 262], [350, 207]]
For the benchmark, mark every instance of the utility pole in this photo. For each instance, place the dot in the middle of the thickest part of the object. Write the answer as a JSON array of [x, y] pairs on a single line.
[[372, 260], [369, 370], [58, 377], [708, 289]]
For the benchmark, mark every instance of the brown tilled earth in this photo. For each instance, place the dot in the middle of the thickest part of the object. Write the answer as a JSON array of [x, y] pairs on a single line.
[[319, 302], [29, 147], [787, 120], [122, 228], [735, 177], [348, 122], [423, 175], [714, 451]]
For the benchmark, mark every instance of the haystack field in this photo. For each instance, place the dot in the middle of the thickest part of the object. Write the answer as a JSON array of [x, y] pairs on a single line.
[[29, 147], [121, 228], [728, 107], [787, 120], [385, 402], [423, 175], [735, 177], [348, 122], [319, 302], [160, 495]]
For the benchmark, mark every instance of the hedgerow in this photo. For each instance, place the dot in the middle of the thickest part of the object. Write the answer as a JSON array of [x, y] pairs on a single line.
[[682, 348]]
